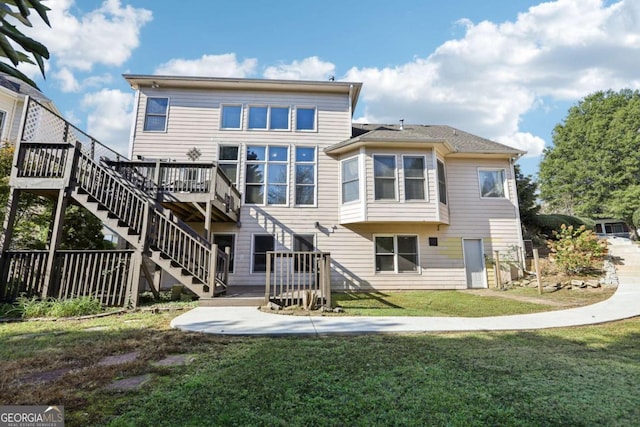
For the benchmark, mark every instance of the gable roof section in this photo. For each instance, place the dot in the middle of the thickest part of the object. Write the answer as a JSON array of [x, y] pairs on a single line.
[[21, 88], [138, 81], [455, 140]]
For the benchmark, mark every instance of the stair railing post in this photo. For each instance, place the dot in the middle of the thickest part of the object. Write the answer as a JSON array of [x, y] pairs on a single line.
[[227, 251], [213, 267], [138, 255]]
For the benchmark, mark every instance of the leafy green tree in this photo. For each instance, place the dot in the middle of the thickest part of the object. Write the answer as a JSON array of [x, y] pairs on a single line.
[[26, 49], [527, 202], [593, 168]]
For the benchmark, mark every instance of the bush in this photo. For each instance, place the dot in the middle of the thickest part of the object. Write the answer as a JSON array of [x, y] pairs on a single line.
[[576, 250], [33, 307]]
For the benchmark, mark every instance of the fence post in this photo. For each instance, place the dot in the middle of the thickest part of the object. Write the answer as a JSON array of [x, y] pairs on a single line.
[[213, 267], [498, 272], [267, 279], [536, 263]]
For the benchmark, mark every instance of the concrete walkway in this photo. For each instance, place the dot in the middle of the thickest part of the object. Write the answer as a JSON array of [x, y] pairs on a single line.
[[625, 303]]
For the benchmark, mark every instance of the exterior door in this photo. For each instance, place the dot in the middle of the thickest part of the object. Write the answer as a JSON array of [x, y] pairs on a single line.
[[474, 263]]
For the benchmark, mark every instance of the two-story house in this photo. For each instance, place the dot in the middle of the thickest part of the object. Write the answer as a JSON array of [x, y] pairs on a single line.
[[397, 206]]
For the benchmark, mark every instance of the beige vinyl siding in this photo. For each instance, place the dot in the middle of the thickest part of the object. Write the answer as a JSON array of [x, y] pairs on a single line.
[[13, 118], [494, 220], [194, 121]]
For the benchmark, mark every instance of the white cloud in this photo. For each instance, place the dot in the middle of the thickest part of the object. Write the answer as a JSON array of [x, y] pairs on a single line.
[[110, 117], [69, 83], [312, 68], [525, 141], [225, 65], [486, 81], [106, 35]]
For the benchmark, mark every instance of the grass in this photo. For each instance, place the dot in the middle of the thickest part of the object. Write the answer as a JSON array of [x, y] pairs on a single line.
[[462, 304], [573, 376]]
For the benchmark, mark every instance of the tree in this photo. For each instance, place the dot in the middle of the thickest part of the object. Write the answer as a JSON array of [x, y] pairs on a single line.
[[27, 49], [527, 202], [593, 168]]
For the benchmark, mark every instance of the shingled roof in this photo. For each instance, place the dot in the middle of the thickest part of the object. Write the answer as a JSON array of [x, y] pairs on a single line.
[[20, 87], [458, 141]]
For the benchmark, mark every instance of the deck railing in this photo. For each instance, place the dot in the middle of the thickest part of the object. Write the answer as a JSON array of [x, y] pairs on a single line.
[[104, 275], [292, 278]]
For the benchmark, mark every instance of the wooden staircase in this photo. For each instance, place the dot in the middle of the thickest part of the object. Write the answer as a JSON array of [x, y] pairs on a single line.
[[67, 162]]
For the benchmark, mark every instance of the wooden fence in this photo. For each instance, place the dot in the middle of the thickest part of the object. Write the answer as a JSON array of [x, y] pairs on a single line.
[[294, 277], [105, 275]]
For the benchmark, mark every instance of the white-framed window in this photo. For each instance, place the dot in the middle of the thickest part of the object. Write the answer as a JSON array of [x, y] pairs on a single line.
[[305, 176], [228, 158], [224, 240], [305, 118], [155, 116], [262, 243], [350, 178], [303, 243], [396, 253], [384, 176], [442, 183], [231, 117], [492, 183], [266, 177], [268, 117], [3, 118], [414, 177]]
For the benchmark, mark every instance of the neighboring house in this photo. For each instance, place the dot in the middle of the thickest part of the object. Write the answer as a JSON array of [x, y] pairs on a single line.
[[396, 206], [13, 93], [612, 228]]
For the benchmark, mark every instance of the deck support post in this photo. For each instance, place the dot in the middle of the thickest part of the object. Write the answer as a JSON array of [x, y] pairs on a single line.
[[9, 220], [213, 267], [54, 242]]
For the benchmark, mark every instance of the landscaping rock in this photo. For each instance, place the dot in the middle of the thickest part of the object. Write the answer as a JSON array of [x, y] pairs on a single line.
[[128, 384], [550, 288], [593, 284], [338, 310], [578, 284], [525, 282], [273, 306]]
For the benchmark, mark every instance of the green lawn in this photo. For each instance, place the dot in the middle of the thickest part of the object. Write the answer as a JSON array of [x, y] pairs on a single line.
[[576, 376], [462, 304]]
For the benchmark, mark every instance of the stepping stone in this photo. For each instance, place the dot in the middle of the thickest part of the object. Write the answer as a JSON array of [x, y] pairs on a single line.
[[175, 360], [45, 377], [119, 359], [128, 384], [96, 329]]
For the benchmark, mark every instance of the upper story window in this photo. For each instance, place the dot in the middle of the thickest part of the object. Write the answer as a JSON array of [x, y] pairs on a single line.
[[442, 183], [384, 172], [266, 180], [350, 180], [305, 176], [305, 119], [492, 183], [228, 161], [231, 117], [268, 118], [155, 117], [414, 180]]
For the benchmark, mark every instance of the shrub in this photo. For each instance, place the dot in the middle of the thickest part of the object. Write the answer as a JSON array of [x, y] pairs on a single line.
[[576, 250]]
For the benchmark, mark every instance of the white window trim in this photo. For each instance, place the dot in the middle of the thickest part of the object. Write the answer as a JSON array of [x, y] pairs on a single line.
[[268, 123], [446, 186], [315, 118], [395, 254], [235, 246], [315, 177], [242, 114], [425, 179], [252, 253], [265, 199], [229, 162], [396, 176], [505, 181], [357, 158], [166, 115]]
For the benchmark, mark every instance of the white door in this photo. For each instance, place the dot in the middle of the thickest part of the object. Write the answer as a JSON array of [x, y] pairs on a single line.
[[474, 263]]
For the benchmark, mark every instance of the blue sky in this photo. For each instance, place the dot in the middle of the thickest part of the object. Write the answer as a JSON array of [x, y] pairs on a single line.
[[502, 69]]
